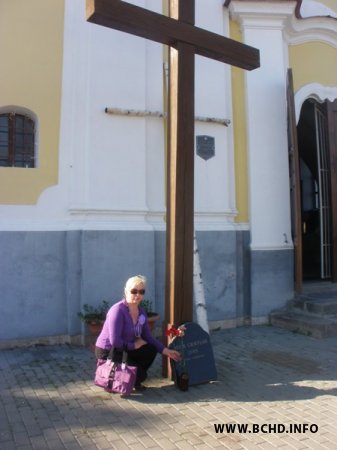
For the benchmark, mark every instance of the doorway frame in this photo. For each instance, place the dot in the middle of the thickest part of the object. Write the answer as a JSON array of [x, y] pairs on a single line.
[[295, 101]]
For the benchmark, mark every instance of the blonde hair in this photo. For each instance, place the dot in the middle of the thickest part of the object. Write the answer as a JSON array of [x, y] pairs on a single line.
[[137, 279]]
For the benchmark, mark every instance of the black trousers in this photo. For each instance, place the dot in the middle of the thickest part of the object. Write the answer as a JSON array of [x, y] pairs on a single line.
[[142, 358]]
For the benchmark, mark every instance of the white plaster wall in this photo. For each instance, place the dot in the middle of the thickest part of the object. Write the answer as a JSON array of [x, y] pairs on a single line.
[[123, 167], [116, 153], [112, 168], [312, 8], [214, 178], [269, 204]]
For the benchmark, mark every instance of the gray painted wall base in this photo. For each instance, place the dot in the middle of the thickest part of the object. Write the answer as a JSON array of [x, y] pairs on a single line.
[[272, 280], [42, 340], [46, 277]]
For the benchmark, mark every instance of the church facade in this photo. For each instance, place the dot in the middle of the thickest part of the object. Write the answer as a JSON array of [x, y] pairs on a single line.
[[83, 162]]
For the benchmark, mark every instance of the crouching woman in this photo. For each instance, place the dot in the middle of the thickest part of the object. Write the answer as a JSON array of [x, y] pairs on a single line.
[[126, 328]]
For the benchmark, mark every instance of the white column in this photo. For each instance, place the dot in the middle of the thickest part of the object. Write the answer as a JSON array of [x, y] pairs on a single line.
[[262, 26]]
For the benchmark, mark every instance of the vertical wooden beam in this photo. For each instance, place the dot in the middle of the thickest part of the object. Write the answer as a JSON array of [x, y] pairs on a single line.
[[180, 176], [295, 188]]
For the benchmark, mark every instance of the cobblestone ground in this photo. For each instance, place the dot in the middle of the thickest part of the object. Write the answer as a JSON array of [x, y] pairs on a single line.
[[268, 378]]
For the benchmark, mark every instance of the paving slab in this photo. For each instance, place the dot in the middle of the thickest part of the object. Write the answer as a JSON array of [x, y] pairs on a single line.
[[275, 389]]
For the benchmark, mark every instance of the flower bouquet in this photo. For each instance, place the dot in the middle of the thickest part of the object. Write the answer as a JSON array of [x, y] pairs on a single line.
[[180, 369]]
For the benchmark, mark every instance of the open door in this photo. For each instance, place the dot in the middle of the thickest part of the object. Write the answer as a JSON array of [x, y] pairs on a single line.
[[312, 148], [295, 188], [332, 139]]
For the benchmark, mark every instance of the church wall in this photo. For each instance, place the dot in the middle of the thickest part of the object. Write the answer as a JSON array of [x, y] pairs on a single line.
[[219, 264], [313, 62], [270, 246], [225, 266], [240, 135], [31, 44], [272, 282], [50, 275], [32, 285], [330, 4], [104, 219], [108, 258]]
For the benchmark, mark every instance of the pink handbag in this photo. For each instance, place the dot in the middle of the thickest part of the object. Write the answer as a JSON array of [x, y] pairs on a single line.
[[116, 377]]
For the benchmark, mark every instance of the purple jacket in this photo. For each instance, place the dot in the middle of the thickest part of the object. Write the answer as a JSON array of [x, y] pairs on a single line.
[[119, 331]]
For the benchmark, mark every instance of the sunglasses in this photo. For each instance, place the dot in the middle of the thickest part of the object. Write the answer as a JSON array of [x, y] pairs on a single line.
[[137, 291]]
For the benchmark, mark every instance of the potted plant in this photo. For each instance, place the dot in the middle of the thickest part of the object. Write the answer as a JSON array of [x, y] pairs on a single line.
[[94, 316], [151, 315]]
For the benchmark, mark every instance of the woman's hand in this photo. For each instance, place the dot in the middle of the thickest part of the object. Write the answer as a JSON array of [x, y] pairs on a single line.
[[139, 342], [172, 354]]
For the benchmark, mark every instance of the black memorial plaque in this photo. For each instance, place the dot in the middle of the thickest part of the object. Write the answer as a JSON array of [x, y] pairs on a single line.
[[205, 147], [197, 352]]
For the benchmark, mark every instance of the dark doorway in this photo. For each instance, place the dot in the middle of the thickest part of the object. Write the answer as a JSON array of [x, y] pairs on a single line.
[[316, 212], [312, 150]]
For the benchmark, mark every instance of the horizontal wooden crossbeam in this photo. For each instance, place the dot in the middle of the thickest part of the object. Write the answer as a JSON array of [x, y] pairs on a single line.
[[142, 22]]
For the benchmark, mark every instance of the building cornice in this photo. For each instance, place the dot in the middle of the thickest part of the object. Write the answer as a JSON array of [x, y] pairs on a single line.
[[260, 15], [285, 14], [297, 10]]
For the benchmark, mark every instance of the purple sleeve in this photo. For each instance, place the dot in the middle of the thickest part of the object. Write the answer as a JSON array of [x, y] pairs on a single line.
[[117, 330], [147, 336]]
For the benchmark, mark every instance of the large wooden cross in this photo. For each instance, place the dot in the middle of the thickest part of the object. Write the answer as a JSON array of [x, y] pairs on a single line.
[[185, 41]]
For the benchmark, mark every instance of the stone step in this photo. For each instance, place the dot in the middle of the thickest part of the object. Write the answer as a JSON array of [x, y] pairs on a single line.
[[310, 325], [321, 304]]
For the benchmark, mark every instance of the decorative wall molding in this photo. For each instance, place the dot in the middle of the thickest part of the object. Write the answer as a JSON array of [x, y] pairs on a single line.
[[122, 220], [300, 31], [260, 14], [297, 30], [271, 248], [315, 91]]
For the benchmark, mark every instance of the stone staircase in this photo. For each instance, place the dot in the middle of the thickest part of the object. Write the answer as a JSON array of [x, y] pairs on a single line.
[[313, 313]]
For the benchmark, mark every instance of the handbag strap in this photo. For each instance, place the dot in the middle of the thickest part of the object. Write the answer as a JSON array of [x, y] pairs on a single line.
[[124, 357]]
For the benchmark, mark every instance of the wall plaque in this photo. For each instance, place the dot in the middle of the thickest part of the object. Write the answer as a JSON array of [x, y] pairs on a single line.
[[205, 146]]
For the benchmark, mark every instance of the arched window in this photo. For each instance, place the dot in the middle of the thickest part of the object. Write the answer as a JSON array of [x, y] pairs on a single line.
[[17, 140]]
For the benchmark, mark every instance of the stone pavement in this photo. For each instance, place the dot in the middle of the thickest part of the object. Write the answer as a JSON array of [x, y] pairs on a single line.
[[281, 385]]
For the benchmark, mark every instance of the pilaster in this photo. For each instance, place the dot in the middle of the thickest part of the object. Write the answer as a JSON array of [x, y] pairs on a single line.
[[262, 25]]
